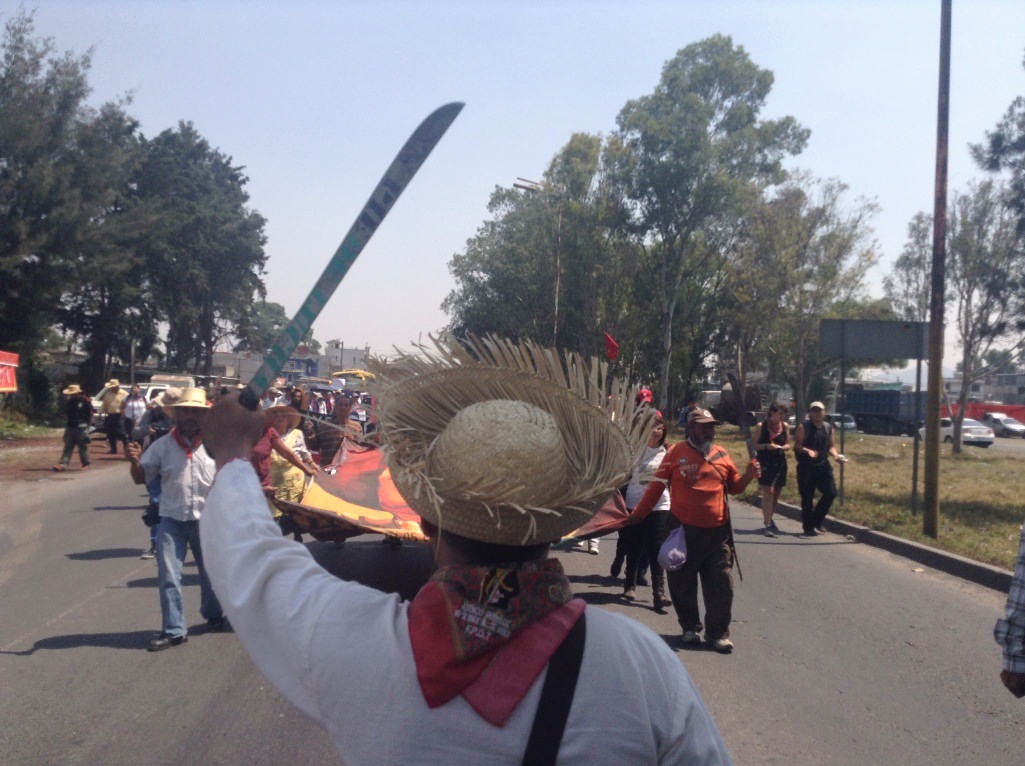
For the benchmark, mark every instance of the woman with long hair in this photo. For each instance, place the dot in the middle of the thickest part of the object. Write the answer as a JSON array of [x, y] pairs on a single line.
[[772, 445]]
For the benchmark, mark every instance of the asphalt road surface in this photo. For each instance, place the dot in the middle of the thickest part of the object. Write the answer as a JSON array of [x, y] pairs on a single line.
[[845, 654]]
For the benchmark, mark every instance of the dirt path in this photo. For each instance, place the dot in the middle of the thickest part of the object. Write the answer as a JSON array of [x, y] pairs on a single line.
[[33, 458]]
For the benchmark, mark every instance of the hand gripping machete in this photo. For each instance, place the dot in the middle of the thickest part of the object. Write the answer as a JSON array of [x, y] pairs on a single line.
[[396, 178]]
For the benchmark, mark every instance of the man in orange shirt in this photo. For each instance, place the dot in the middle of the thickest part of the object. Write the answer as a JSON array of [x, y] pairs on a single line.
[[699, 475]]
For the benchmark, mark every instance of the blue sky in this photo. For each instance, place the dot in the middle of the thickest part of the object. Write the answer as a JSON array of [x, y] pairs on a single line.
[[315, 98]]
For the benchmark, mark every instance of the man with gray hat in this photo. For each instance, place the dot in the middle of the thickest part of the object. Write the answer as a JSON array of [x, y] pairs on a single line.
[[700, 474], [186, 474], [493, 661], [813, 446]]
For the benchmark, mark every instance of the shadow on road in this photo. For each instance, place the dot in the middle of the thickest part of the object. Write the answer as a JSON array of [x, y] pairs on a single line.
[[151, 582], [105, 553], [119, 507], [136, 639]]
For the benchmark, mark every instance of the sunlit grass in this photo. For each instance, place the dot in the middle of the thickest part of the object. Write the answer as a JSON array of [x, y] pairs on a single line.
[[15, 427], [981, 493]]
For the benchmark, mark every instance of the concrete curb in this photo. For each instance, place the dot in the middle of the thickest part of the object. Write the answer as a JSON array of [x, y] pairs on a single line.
[[974, 571]]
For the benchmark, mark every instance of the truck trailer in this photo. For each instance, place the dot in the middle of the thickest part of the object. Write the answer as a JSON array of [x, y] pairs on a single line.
[[886, 412]]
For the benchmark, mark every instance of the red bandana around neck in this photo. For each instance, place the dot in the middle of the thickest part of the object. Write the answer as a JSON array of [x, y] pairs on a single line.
[[189, 447], [488, 632]]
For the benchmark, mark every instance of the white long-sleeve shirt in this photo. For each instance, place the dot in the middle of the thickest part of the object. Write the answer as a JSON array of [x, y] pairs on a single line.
[[340, 652]]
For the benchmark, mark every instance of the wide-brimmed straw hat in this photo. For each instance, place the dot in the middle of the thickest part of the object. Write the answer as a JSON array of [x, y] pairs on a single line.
[[505, 442], [112, 383], [174, 398], [71, 390], [293, 414]]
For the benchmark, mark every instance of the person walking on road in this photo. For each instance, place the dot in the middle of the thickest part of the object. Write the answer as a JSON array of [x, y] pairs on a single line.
[[813, 445], [111, 406], [489, 661], [647, 536], [1010, 629], [79, 413], [186, 474], [699, 475], [772, 445], [132, 410]]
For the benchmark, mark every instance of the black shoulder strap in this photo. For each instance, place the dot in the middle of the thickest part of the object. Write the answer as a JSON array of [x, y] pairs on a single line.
[[556, 698]]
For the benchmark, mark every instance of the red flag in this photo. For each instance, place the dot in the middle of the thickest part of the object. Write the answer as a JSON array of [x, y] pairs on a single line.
[[611, 348]]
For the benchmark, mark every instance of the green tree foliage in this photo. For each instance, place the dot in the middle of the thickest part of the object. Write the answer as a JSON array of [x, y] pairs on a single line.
[[43, 210], [823, 249], [109, 305], [260, 326], [1004, 151], [208, 240], [695, 144], [985, 260], [908, 285], [551, 264]]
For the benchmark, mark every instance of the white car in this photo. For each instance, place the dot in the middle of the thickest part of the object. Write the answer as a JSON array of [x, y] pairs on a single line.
[[972, 432], [848, 424], [1003, 425], [149, 390]]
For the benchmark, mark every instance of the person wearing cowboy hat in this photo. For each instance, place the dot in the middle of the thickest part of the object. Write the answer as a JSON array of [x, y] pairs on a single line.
[[79, 411], [700, 475], [502, 448], [186, 473], [111, 405]]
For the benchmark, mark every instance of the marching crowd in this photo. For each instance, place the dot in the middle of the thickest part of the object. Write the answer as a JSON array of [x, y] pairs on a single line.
[[494, 655]]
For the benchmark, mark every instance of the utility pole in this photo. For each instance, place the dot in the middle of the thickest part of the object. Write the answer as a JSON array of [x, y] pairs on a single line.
[[931, 510]]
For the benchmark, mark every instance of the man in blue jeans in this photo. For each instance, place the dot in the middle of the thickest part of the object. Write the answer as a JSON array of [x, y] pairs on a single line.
[[186, 474]]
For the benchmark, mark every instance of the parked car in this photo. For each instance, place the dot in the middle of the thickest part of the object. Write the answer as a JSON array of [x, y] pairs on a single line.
[[150, 390], [1003, 425], [973, 433], [848, 424]]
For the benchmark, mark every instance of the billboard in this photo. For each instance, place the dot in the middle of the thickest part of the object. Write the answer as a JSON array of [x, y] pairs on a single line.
[[8, 370]]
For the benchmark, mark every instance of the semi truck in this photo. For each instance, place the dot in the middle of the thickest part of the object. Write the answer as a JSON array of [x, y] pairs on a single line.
[[886, 412]]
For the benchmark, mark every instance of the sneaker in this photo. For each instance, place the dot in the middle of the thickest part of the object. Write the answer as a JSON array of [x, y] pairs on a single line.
[[629, 592], [592, 547], [773, 527], [722, 645], [151, 553], [642, 581], [690, 638], [581, 546], [820, 529], [768, 531], [809, 533], [84, 468], [60, 467]]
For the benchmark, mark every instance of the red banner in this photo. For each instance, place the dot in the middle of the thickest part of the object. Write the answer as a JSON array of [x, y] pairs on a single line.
[[8, 367]]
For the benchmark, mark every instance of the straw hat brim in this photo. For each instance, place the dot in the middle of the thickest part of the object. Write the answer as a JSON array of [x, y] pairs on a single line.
[[293, 415], [419, 397]]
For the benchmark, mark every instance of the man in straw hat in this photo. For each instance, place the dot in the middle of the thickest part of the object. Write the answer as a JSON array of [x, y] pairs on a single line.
[[699, 475], [186, 474], [79, 410], [502, 449], [111, 405]]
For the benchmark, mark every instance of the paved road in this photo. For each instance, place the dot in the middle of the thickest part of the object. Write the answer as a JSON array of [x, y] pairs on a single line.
[[845, 654]]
